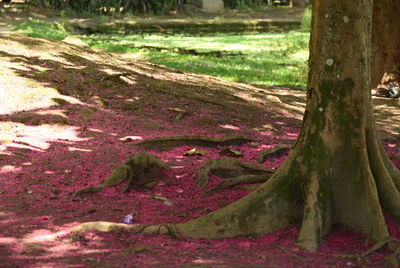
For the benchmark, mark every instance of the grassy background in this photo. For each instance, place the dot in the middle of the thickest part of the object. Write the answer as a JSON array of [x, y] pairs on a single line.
[[270, 58]]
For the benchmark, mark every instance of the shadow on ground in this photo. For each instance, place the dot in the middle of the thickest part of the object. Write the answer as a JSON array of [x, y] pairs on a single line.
[[69, 115]]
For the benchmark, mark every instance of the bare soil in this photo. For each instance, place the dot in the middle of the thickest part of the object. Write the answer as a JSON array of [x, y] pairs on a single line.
[[69, 115]]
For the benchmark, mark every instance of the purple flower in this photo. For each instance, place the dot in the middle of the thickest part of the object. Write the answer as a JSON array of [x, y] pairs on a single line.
[[128, 219]]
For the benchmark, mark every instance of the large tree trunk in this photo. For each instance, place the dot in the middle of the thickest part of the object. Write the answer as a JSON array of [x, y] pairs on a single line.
[[338, 171], [385, 42]]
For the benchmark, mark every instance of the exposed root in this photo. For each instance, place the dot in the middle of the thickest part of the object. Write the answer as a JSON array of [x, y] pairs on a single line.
[[390, 242], [86, 190], [389, 194], [168, 142], [267, 209], [139, 168], [227, 168], [103, 226], [232, 182], [262, 156], [390, 261], [291, 253], [312, 194], [317, 216], [116, 76], [391, 168]]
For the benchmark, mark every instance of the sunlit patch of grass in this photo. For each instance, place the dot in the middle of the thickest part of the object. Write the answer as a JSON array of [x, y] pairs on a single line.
[[269, 58], [41, 29], [279, 59]]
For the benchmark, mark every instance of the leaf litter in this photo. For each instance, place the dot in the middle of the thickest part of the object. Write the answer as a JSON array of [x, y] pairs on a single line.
[[43, 163]]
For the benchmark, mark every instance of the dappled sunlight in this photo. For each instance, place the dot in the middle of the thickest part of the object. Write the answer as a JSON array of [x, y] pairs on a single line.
[[43, 235], [48, 243], [16, 96], [387, 113], [216, 42], [37, 138], [178, 167], [73, 149], [9, 168], [48, 154], [231, 127], [22, 94], [201, 261], [301, 55], [8, 240], [233, 57], [96, 130], [130, 138]]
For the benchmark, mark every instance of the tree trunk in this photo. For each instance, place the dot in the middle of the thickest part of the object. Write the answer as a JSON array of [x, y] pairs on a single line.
[[338, 171], [385, 64]]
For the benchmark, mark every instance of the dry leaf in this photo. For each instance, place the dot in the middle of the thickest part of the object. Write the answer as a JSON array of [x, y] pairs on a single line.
[[180, 112], [195, 151], [157, 197], [231, 152]]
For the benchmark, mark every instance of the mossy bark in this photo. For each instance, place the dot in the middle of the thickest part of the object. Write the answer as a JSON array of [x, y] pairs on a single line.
[[338, 165], [337, 172]]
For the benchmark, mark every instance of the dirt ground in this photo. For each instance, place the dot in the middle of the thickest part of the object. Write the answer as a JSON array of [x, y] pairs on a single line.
[[69, 115]]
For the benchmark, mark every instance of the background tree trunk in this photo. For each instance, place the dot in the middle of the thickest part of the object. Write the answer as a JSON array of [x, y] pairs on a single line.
[[385, 66]]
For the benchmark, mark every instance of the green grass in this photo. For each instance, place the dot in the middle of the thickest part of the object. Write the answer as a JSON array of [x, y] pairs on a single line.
[[271, 59], [306, 20], [41, 29], [279, 59]]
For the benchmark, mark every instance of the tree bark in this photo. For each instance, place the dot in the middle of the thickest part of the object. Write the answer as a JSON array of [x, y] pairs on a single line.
[[386, 43], [338, 171]]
